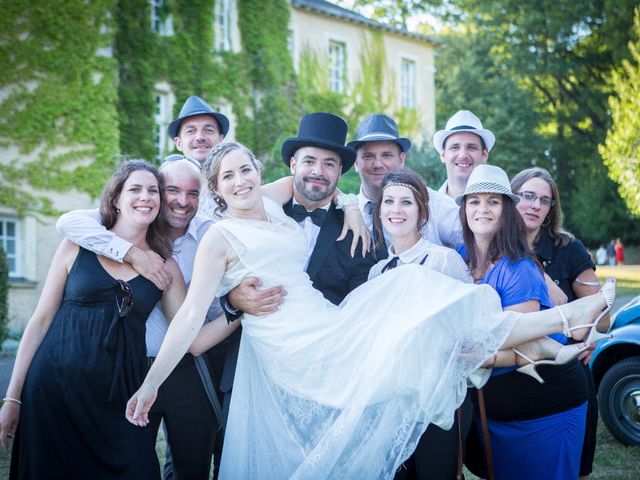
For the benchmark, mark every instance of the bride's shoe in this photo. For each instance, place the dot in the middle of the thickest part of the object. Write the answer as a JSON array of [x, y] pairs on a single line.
[[608, 290], [566, 354]]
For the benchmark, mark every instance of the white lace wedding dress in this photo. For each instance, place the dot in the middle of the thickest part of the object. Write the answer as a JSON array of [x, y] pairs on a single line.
[[345, 392]]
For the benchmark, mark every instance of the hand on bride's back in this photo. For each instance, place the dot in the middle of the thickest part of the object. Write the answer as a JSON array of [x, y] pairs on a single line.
[[139, 404]]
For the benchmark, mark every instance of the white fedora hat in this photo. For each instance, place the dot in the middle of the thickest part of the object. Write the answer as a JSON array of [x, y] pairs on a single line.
[[488, 179], [463, 121]]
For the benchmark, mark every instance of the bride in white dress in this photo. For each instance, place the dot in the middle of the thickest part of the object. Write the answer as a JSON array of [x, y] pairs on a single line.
[[333, 392]]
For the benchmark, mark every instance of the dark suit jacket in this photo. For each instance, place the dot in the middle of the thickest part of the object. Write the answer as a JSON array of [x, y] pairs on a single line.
[[332, 271]]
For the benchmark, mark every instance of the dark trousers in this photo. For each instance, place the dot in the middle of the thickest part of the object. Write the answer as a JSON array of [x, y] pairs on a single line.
[[190, 422], [435, 457]]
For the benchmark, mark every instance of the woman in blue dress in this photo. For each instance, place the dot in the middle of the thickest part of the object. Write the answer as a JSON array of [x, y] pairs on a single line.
[[536, 429]]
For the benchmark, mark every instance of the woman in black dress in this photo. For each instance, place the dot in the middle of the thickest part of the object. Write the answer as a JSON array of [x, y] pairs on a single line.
[[570, 272], [83, 351]]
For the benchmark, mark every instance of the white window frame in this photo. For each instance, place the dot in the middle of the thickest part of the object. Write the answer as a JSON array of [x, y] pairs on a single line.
[[156, 23], [408, 81], [15, 256], [222, 25], [162, 118], [337, 53]]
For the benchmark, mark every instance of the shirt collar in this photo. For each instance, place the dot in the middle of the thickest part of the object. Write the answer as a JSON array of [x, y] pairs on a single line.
[[412, 254], [324, 207]]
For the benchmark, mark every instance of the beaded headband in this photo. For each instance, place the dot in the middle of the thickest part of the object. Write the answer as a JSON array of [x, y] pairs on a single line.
[[400, 184]]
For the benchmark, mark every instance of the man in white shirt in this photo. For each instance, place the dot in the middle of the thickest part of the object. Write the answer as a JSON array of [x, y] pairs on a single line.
[[187, 401], [380, 150], [463, 145]]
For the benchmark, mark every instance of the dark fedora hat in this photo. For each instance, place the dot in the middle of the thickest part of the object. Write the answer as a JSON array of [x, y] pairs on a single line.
[[322, 130], [379, 128], [197, 106]]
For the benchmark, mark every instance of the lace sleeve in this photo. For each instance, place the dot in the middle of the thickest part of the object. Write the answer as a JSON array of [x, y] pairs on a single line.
[[449, 263]]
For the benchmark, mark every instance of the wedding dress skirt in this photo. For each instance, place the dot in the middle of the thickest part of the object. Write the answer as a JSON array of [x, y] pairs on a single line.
[[345, 392]]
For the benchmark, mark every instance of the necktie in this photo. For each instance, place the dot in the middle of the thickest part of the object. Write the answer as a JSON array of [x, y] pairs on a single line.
[[299, 213], [393, 263]]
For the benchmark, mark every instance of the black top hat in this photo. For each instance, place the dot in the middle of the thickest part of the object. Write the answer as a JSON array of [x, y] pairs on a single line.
[[379, 128], [322, 130], [196, 106]]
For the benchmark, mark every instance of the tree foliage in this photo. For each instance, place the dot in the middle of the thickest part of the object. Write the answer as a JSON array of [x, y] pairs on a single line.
[[621, 149]]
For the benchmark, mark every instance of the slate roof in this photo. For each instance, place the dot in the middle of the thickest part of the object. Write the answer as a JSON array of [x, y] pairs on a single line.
[[331, 10]]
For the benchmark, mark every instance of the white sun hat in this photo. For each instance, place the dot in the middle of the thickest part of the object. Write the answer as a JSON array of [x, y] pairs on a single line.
[[463, 121], [488, 179]]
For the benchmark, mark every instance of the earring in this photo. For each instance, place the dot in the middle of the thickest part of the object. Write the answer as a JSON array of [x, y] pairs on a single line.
[[546, 219]]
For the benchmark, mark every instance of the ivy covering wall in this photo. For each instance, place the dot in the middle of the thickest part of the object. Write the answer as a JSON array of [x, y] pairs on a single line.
[[59, 99]]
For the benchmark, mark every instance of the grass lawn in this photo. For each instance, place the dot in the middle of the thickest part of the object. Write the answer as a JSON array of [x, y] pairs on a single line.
[[627, 278]]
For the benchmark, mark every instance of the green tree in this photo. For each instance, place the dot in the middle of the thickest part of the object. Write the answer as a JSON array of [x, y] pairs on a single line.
[[561, 53], [621, 149], [470, 78]]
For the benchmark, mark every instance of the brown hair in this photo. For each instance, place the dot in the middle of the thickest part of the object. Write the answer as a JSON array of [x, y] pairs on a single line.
[[211, 168], [157, 237], [509, 241], [558, 234], [417, 186]]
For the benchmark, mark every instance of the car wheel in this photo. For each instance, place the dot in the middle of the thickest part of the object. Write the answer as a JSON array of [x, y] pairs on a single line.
[[619, 400]]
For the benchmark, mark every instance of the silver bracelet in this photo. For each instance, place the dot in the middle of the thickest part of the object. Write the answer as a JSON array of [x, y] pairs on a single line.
[[592, 284], [10, 399]]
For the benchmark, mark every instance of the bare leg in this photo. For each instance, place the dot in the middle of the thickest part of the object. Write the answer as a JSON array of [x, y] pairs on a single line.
[[538, 324]]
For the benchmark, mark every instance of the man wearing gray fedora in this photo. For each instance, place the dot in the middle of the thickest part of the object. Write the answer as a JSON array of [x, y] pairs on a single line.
[[463, 145], [198, 129], [380, 150]]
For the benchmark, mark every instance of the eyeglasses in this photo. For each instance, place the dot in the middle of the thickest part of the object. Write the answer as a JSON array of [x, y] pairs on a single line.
[[530, 197], [124, 298]]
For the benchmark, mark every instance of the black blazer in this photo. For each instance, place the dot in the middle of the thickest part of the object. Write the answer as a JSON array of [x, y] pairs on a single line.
[[332, 271]]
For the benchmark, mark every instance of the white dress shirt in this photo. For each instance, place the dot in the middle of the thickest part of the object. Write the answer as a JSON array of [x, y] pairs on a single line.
[[311, 231]]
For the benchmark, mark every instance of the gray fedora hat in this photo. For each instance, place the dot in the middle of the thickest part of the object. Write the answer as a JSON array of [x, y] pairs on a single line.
[[463, 121], [488, 179], [379, 128], [322, 130], [197, 106]]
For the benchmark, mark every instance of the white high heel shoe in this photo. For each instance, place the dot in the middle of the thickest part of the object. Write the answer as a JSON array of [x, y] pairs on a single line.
[[608, 290], [566, 354]]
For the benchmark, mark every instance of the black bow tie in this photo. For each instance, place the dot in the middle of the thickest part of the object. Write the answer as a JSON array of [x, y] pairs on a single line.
[[299, 213], [393, 263]]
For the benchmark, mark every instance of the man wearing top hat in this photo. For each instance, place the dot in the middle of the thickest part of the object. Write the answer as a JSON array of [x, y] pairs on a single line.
[[463, 145], [380, 150], [317, 157]]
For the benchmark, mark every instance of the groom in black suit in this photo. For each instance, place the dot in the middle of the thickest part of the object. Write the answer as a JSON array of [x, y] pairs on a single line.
[[317, 157]]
